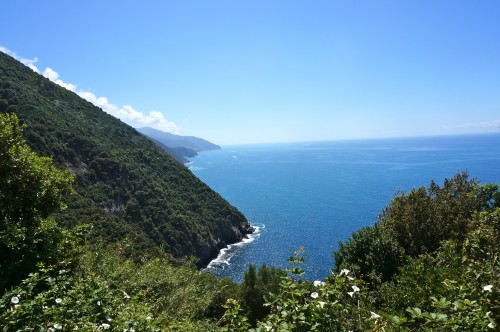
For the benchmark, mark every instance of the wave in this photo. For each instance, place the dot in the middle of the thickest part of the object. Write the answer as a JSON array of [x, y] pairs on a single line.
[[196, 168], [225, 255]]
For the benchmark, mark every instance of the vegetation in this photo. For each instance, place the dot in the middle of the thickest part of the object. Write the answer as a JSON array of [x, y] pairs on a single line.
[[255, 286], [52, 279], [179, 153], [125, 186], [430, 263], [68, 283], [192, 143], [31, 189]]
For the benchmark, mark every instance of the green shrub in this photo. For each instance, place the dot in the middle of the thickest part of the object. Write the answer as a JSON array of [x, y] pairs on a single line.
[[370, 254], [421, 219], [31, 189]]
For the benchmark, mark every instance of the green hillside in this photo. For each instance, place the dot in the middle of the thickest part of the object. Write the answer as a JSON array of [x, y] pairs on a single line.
[[174, 141], [431, 263], [125, 185]]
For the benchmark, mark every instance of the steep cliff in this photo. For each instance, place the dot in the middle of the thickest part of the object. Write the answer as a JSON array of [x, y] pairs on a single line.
[[125, 185]]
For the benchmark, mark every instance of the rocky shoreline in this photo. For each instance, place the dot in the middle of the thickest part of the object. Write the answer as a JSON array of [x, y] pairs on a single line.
[[211, 251]]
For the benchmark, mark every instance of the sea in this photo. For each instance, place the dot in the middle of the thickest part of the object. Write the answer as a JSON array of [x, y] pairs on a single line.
[[315, 194]]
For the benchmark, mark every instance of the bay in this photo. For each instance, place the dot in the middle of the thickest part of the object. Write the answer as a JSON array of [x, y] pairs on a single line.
[[315, 194]]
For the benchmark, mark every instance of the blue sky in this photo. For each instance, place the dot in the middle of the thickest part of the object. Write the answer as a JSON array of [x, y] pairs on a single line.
[[271, 71]]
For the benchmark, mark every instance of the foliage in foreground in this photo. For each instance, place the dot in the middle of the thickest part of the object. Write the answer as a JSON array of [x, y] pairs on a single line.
[[386, 280], [31, 189], [108, 291], [432, 262], [52, 280], [457, 289]]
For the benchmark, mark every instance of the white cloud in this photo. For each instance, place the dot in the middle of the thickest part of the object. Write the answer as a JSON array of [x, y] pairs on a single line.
[[50, 74], [27, 62], [125, 113], [128, 114], [53, 76]]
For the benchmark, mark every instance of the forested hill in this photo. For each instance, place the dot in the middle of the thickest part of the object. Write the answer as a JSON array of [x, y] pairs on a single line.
[[175, 141], [125, 185]]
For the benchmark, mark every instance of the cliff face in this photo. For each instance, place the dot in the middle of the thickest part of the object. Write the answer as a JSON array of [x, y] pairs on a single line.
[[125, 185]]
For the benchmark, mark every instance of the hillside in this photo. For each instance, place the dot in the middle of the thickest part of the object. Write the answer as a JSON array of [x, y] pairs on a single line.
[[175, 141], [430, 263], [125, 185], [180, 154]]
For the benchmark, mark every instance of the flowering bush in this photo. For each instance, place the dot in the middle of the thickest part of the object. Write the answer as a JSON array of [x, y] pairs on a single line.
[[336, 304], [454, 289]]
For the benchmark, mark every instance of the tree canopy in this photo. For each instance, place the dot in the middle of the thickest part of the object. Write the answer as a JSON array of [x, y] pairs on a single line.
[[31, 189], [124, 184]]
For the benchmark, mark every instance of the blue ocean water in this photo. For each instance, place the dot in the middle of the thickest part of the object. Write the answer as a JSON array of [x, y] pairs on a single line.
[[316, 194]]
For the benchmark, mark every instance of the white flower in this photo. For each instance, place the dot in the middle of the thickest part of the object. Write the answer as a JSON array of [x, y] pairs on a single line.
[[125, 295], [354, 290], [488, 288], [105, 326], [14, 300], [318, 283], [58, 300], [148, 318], [98, 302], [344, 271], [374, 315], [57, 326], [350, 278], [491, 325], [314, 295], [268, 328], [321, 304]]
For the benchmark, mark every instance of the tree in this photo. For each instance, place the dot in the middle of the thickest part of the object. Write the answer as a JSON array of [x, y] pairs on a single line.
[[421, 219], [371, 254], [249, 293], [31, 189], [255, 286]]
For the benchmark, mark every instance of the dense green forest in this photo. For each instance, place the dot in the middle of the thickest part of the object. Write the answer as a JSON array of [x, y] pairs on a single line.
[[125, 185], [430, 263], [73, 234]]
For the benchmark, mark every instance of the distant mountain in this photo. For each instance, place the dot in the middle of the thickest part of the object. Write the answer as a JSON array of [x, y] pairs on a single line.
[[178, 153], [125, 185], [178, 141]]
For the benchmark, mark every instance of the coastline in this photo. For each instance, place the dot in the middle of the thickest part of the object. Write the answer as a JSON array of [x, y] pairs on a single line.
[[225, 254]]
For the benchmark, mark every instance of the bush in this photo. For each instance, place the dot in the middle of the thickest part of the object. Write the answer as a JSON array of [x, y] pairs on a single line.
[[421, 219], [370, 254], [31, 189]]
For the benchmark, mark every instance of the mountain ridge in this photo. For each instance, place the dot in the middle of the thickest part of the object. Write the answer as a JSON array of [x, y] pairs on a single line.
[[175, 141], [126, 186], [179, 153]]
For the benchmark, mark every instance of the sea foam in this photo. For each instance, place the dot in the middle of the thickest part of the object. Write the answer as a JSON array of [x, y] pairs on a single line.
[[224, 258]]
